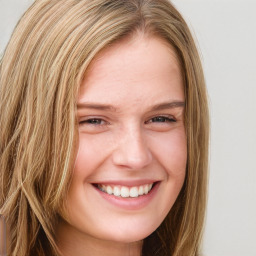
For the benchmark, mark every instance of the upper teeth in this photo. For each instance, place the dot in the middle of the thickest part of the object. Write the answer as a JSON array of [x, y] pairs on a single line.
[[124, 191]]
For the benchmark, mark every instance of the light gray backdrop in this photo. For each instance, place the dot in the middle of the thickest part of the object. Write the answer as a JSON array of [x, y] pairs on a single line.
[[226, 35]]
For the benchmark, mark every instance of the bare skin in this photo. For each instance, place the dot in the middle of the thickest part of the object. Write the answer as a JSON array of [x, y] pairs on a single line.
[[131, 137], [83, 245]]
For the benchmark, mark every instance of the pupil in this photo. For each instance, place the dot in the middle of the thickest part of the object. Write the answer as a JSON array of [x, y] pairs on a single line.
[[95, 121], [160, 119]]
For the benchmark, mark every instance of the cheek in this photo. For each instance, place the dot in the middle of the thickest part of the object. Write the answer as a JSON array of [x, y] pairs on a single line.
[[93, 150], [170, 150], [171, 154]]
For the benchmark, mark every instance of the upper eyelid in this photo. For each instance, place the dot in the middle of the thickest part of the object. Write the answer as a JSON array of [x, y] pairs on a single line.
[[164, 116], [105, 118], [148, 121], [89, 117], [86, 121], [92, 118]]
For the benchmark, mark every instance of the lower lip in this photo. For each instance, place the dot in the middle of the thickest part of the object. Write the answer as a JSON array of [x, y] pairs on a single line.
[[130, 203]]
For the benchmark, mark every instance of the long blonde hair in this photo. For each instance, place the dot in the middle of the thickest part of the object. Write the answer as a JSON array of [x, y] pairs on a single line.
[[40, 74]]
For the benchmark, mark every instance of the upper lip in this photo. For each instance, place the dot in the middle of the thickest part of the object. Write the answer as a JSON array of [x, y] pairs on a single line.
[[127, 183]]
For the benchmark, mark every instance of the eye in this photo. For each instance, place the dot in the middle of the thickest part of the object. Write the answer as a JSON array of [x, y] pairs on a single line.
[[93, 125], [93, 121], [161, 123], [161, 119]]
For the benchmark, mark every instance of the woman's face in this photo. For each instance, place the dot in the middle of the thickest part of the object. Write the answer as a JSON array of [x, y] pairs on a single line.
[[132, 155]]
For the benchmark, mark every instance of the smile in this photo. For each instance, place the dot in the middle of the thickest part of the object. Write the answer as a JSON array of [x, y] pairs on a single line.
[[128, 195], [125, 192]]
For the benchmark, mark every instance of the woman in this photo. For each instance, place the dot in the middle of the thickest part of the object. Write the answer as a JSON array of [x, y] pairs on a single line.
[[104, 131]]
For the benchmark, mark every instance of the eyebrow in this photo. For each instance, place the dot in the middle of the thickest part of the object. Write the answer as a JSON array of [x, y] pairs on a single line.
[[107, 107], [98, 106], [168, 105]]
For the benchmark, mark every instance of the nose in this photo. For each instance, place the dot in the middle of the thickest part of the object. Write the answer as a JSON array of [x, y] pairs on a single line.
[[132, 151]]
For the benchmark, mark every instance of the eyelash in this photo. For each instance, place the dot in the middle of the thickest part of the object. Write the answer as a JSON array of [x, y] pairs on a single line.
[[92, 121], [98, 121], [165, 119]]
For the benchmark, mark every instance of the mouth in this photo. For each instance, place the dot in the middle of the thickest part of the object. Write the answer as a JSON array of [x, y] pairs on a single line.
[[125, 191]]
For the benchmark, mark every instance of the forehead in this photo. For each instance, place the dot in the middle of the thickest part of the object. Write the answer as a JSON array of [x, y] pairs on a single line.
[[139, 64], [133, 49]]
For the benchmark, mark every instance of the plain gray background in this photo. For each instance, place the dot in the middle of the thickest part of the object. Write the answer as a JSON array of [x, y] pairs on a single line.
[[226, 35]]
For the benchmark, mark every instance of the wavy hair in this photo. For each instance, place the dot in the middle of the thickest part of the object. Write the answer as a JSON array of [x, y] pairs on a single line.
[[40, 73]]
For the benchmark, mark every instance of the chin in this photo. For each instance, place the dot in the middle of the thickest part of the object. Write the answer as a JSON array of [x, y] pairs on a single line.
[[130, 234]]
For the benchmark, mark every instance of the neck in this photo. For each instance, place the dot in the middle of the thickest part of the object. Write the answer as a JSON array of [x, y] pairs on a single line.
[[73, 242]]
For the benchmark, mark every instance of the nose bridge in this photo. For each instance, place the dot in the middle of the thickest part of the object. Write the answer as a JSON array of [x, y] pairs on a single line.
[[132, 150]]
